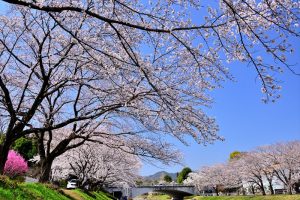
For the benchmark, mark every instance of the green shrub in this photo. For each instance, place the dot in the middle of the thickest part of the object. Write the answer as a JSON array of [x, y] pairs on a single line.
[[27, 147], [19, 179], [61, 183], [5, 182]]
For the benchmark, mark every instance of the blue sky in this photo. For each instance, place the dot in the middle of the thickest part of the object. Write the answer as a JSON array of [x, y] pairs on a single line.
[[244, 120]]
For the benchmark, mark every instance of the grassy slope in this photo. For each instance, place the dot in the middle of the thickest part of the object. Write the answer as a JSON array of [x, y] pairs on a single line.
[[102, 196], [10, 190], [36, 191], [97, 195], [30, 191], [275, 197]]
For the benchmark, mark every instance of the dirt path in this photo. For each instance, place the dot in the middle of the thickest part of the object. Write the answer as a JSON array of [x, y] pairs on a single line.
[[73, 194]]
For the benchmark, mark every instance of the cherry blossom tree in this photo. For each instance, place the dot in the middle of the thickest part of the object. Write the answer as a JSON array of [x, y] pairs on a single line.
[[266, 167], [60, 141], [252, 170], [97, 166], [60, 82], [285, 162], [146, 69], [233, 28], [54, 142], [191, 179], [217, 177], [273, 162], [15, 165], [260, 168]]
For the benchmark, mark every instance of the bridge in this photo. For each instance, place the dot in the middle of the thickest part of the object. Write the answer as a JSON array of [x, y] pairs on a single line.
[[177, 192]]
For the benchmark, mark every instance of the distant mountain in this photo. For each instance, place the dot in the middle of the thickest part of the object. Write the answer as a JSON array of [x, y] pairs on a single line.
[[158, 175]]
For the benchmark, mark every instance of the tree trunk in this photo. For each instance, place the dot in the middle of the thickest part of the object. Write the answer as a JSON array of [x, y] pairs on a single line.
[[290, 190], [296, 187], [262, 188], [4, 149], [271, 188], [45, 170], [217, 191], [243, 191], [253, 189]]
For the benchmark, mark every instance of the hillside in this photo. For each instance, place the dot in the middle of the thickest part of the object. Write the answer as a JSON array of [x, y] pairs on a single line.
[[160, 174], [10, 190]]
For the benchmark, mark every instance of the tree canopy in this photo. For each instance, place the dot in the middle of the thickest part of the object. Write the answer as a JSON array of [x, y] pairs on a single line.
[[131, 71], [168, 178], [234, 155], [183, 174], [265, 168]]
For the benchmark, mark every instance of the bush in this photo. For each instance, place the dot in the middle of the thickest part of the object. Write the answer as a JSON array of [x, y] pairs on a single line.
[[27, 147], [15, 165], [168, 178], [61, 183], [19, 179], [5, 182]]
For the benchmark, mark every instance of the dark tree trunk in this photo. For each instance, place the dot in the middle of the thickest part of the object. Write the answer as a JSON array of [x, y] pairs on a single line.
[[217, 191], [262, 188], [243, 191], [296, 187], [45, 170], [290, 190], [253, 189], [263, 192], [47, 157], [271, 188], [4, 149]]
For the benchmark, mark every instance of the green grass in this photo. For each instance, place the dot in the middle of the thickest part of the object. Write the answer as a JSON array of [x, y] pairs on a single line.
[[102, 196], [268, 197], [94, 195], [155, 197], [83, 195], [11, 190], [30, 191]]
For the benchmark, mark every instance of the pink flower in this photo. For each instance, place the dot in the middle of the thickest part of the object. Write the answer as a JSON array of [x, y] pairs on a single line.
[[15, 165]]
